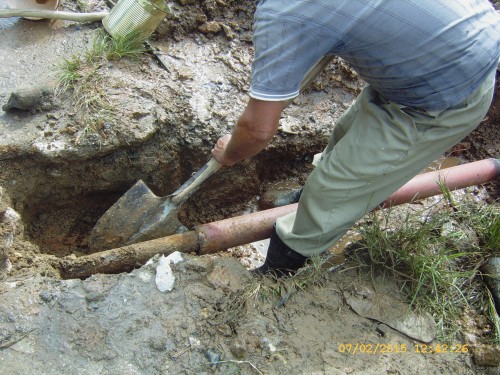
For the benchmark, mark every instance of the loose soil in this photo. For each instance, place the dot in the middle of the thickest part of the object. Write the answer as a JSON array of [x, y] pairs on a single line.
[[62, 168]]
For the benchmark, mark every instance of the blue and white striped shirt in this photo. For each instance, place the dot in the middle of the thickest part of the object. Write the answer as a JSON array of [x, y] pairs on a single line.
[[430, 54]]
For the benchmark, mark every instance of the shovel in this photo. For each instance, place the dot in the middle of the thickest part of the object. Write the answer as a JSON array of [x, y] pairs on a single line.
[[140, 215]]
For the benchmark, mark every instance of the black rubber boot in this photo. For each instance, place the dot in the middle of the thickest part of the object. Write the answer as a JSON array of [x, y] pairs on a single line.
[[280, 260], [296, 196]]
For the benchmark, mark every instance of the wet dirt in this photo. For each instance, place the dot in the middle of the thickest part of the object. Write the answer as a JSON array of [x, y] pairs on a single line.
[[207, 324], [58, 175]]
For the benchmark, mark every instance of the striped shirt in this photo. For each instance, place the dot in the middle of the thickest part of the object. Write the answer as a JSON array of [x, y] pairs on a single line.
[[429, 54]]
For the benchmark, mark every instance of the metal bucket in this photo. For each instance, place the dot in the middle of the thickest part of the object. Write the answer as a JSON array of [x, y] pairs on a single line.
[[136, 17]]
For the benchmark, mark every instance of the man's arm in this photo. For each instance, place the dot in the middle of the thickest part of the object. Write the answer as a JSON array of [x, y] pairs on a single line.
[[254, 130]]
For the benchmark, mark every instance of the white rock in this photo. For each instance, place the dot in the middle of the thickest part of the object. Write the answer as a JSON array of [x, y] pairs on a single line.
[[164, 276]]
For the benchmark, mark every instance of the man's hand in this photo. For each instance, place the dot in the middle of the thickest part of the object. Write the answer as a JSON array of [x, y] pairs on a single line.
[[220, 147]]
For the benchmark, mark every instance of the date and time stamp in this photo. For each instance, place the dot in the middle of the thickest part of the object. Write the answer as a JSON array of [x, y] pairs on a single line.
[[361, 348]]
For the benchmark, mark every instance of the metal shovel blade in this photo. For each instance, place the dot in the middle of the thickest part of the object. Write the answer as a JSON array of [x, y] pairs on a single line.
[[140, 215]]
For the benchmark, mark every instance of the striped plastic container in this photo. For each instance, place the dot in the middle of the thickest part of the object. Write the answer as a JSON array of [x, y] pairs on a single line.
[[139, 17]]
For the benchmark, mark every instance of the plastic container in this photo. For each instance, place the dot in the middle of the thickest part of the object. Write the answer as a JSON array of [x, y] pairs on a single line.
[[139, 17]]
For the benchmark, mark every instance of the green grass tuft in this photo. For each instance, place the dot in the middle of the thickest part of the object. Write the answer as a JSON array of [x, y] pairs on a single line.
[[437, 257], [83, 78]]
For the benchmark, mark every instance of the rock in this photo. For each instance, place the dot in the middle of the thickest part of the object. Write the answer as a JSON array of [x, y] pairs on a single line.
[[281, 194], [486, 355], [211, 27], [184, 73], [200, 264], [164, 276], [238, 348], [393, 313], [228, 31], [30, 98]]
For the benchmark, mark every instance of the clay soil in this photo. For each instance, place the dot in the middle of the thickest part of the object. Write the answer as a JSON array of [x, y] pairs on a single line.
[[62, 167]]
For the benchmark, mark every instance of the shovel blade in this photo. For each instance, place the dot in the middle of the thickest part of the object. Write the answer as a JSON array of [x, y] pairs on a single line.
[[139, 215], [133, 218]]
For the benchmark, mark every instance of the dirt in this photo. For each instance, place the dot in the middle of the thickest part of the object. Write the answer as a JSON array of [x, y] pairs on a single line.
[[62, 168]]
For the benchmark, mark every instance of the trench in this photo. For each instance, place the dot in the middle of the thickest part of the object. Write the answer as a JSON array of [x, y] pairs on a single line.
[[59, 221], [64, 228]]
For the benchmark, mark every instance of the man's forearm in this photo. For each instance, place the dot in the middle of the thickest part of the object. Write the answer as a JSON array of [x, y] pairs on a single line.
[[246, 143], [254, 130]]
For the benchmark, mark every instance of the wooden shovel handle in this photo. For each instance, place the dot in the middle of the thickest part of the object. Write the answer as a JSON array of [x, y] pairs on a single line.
[[184, 192]]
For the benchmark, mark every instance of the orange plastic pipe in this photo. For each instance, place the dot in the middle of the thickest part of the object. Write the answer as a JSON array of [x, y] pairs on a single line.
[[240, 230], [427, 184]]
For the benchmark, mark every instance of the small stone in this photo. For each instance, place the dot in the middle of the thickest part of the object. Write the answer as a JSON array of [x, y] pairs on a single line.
[[5, 264], [213, 356], [52, 116], [194, 342], [238, 348], [211, 27], [28, 98], [200, 264], [69, 130], [157, 343], [486, 355], [46, 296], [184, 73], [228, 31], [268, 345]]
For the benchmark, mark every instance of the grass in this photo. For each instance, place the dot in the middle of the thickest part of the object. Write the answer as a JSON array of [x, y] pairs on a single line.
[[102, 50], [280, 289], [84, 78], [437, 257]]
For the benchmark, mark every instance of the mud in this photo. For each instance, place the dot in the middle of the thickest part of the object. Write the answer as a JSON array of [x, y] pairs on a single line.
[[61, 168], [209, 323]]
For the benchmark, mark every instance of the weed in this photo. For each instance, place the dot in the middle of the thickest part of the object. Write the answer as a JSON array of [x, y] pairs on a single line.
[[129, 46], [82, 5], [280, 289], [70, 72], [86, 5], [437, 256]]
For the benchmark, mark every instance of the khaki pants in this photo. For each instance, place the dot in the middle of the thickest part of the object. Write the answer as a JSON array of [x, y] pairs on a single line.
[[376, 147]]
